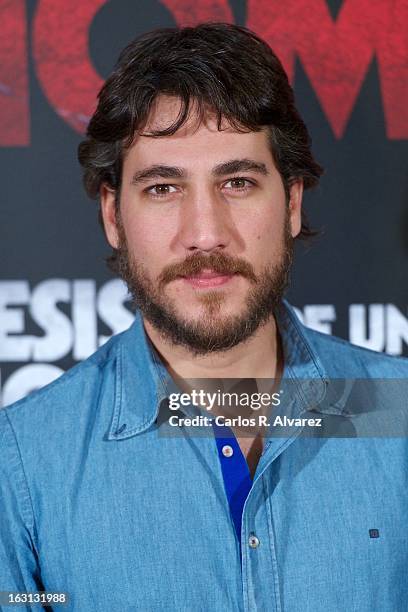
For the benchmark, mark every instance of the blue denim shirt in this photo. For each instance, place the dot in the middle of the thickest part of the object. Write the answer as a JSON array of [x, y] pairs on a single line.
[[95, 502]]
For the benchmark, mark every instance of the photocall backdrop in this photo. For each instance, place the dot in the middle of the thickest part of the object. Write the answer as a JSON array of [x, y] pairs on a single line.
[[347, 62]]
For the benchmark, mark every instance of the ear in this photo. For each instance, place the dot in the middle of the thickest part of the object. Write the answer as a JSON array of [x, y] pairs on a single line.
[[108, 211], [295, 207]]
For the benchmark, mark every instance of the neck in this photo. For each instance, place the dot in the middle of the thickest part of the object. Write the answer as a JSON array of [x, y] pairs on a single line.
[[257, 357]]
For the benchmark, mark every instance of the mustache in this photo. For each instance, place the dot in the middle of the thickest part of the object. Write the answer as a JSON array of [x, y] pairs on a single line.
[[219, 262]]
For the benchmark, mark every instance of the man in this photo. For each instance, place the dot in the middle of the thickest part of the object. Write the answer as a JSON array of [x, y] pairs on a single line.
[[200, 160]]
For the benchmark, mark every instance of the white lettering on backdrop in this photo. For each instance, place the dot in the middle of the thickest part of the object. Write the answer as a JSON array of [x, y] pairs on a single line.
[[63, 317]]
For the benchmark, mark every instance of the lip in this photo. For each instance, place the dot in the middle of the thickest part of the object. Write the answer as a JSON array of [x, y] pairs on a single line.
[[208, 279]]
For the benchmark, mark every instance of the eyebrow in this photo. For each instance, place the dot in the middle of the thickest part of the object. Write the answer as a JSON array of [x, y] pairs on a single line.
[[158, 171], [231, 166], [240, 165]]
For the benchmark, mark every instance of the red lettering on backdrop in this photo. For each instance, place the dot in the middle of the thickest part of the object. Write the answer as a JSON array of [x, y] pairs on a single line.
[[336, 55], [64, 68], [61, 52], [14, 102], [192, 12]]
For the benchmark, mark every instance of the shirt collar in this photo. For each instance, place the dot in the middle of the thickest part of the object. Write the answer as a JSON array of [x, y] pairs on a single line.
[[142, 379], [140, 383]]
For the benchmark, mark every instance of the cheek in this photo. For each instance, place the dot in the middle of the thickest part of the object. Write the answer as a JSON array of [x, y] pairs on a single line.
[[148, 240], [263, 234]]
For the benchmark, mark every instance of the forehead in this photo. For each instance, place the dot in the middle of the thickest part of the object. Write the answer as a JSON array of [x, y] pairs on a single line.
[[197, 142]]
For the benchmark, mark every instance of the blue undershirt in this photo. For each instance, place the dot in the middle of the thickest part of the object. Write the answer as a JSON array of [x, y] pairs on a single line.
[[235, 473]]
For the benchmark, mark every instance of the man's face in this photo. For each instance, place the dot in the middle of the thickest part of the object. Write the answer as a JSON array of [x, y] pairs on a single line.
[[204, 230]]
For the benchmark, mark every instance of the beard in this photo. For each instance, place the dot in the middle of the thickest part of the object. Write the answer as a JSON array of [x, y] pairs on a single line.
[[211, 332]]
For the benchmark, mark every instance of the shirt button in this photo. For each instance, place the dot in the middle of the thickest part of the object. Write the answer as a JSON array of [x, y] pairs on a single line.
[[227, 450], [253, 541]]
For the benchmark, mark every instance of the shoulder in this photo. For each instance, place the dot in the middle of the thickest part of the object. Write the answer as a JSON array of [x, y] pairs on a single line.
[[68, 397], [343, 359]]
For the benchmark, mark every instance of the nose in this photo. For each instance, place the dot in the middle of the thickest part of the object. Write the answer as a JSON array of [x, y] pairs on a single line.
[[205, 222]]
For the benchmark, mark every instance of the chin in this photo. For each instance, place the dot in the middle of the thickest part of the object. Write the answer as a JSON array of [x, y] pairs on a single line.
[[207, 314], [213, 304]]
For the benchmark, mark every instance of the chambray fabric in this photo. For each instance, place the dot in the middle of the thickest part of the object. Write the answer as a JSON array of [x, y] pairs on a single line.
[[95, 500]]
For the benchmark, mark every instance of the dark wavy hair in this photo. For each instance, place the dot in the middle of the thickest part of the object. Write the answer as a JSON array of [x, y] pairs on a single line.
[[222, 68]]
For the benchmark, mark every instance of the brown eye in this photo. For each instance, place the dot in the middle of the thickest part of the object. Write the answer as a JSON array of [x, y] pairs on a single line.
[[238, 183], [161, 190]]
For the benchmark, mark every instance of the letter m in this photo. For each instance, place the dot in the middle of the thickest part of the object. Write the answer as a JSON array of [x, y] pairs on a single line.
[[336, 54]]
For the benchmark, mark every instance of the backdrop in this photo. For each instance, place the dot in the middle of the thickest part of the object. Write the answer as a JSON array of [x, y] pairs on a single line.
[[348, 64]]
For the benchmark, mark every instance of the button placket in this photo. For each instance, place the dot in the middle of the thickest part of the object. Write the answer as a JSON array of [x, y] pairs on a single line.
[[253, 541], [227, 450]]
